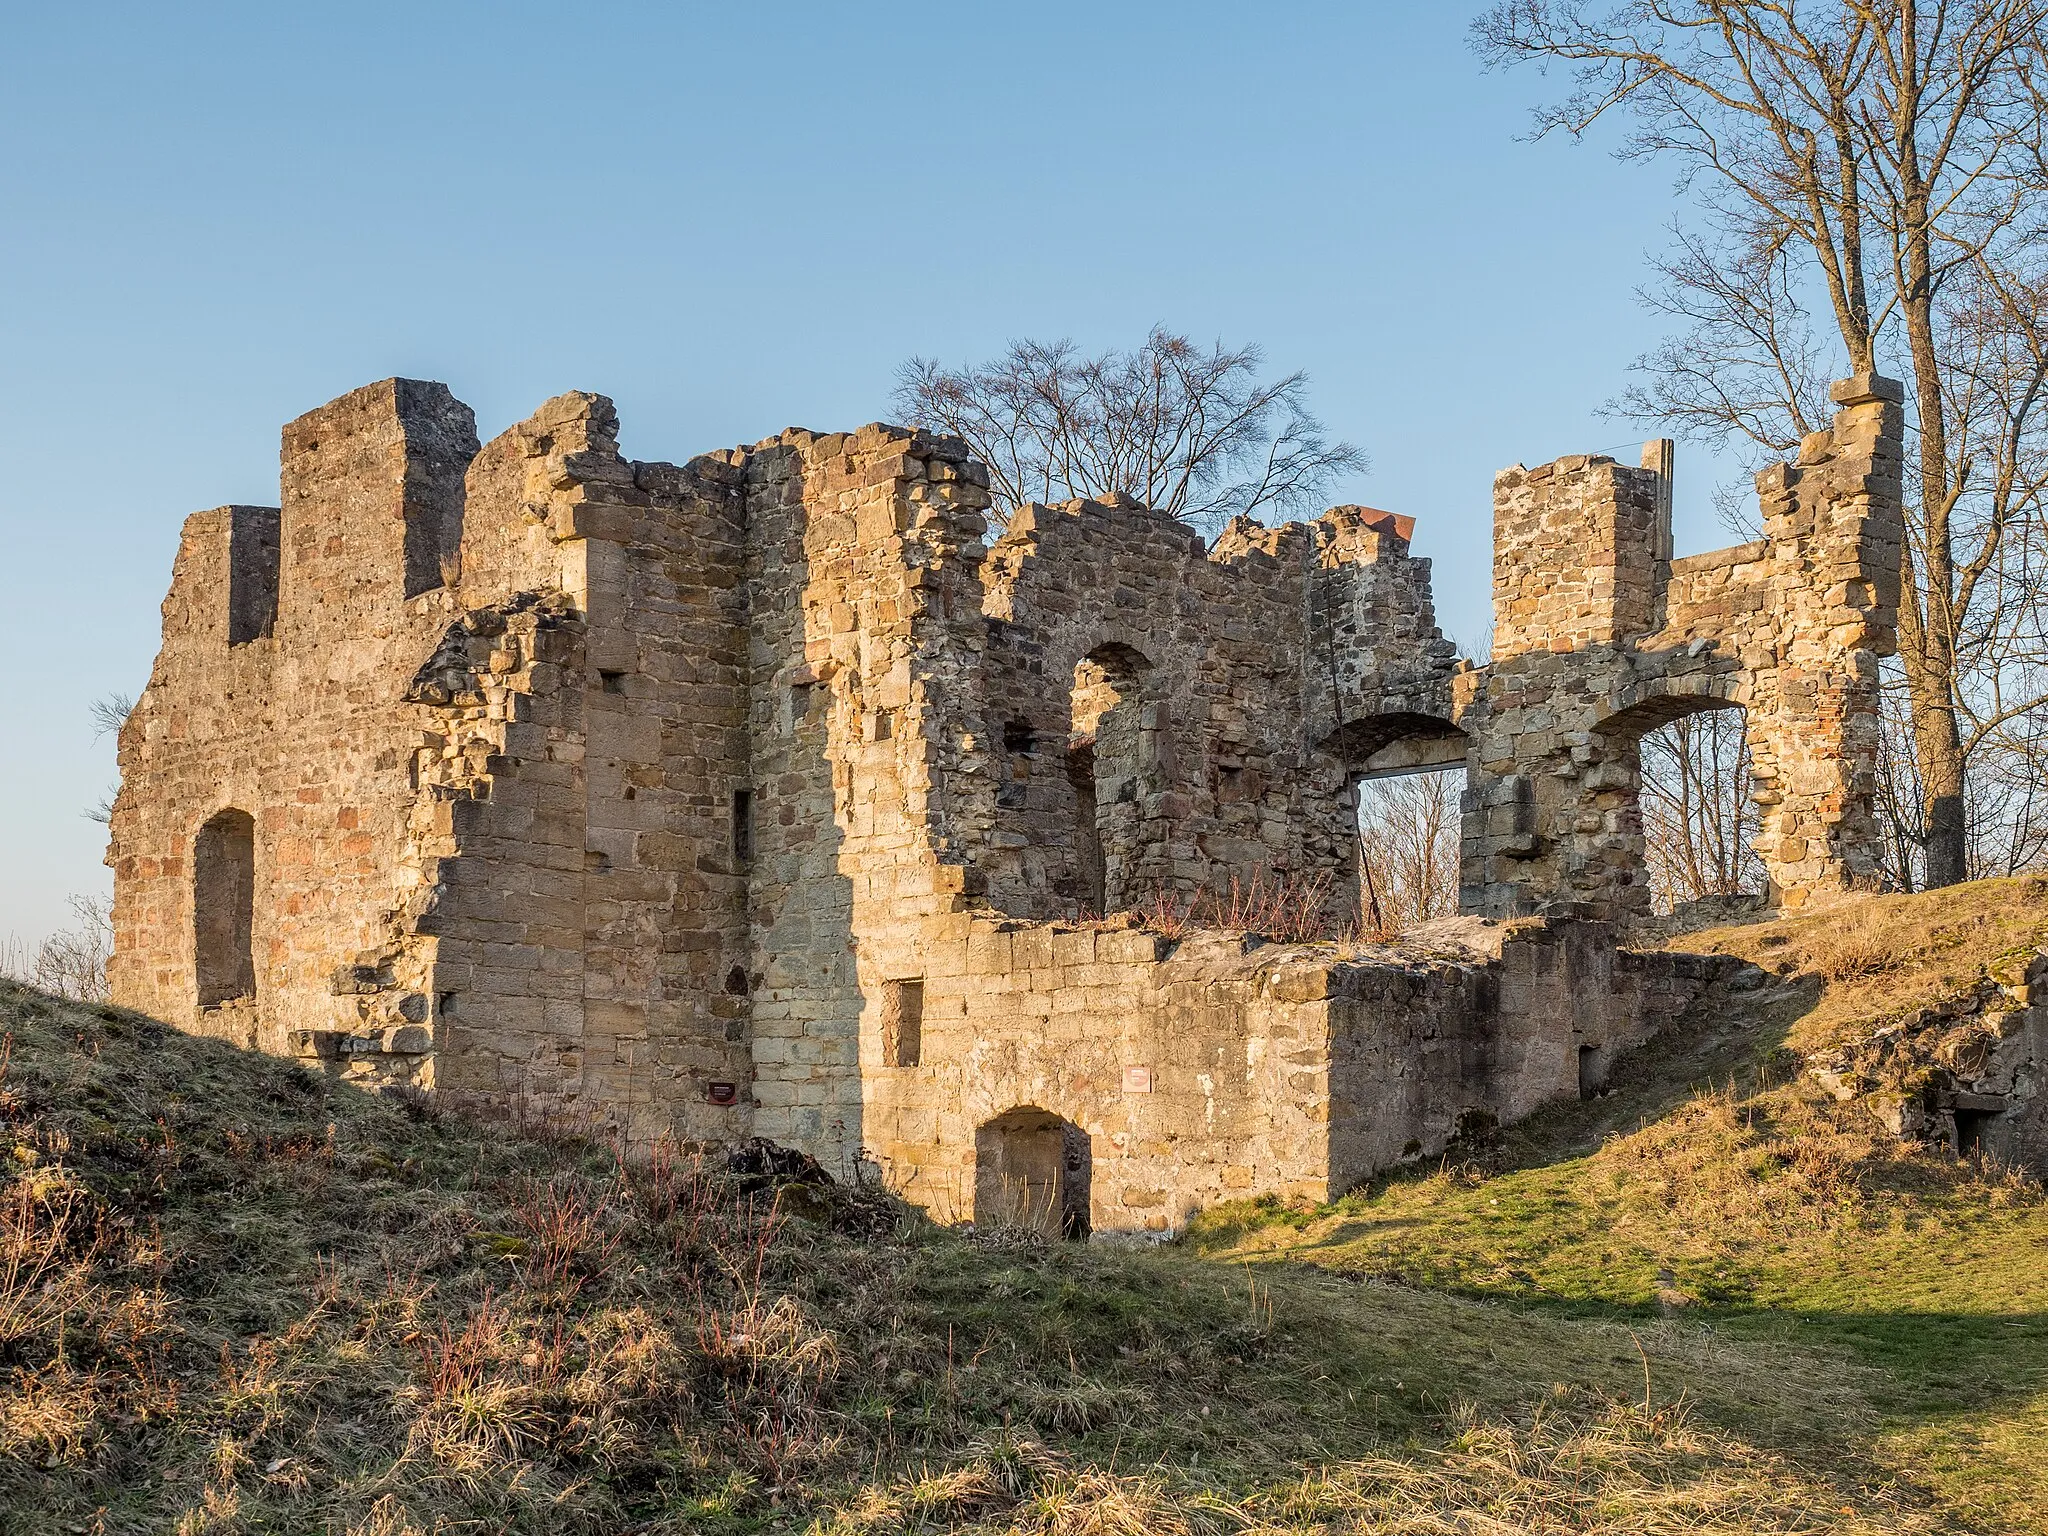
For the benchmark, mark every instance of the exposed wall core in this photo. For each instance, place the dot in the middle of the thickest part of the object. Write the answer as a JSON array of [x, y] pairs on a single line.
[[1113, 749]]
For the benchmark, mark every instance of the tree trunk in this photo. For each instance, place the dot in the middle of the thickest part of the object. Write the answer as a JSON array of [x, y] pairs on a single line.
[[1929, 664], [1928, 637]]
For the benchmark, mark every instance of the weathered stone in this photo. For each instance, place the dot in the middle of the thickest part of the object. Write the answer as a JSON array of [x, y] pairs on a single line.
[[762, 796]]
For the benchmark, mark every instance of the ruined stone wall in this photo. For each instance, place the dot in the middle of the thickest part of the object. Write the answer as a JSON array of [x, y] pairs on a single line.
[[292, 712], [1790, 629], [493, 836], [1219, 1067], [869, 768], [1244, 672], [758, 795], [1574, 555], [588, 911]]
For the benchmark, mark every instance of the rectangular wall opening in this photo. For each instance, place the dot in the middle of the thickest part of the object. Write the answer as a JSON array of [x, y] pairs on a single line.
[[1592, 1072], [742, 827], [253, 554], [902, 1023]]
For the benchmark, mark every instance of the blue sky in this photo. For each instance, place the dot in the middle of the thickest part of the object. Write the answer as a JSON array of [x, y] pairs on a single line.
[[733, 219]]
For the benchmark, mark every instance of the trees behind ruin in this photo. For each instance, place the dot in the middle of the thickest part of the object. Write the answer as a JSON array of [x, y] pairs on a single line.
[[1867, 181], [1191, 431]]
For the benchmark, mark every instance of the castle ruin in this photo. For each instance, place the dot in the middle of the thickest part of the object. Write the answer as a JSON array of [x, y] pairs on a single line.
[[764, 796]]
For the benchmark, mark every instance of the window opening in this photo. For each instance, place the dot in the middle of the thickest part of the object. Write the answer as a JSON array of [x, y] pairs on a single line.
[[223, 908], [742, 826], [902, 1023]]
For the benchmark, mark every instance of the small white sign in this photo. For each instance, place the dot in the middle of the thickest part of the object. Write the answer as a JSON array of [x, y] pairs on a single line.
[[1137, 1079]]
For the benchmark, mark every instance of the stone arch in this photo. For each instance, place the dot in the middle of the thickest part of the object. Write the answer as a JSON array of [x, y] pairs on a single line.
[[1112, 762], [224, 908], [1659, 701], [1033, 1169], [1416, 870], [1730, 785], [1400, 741]]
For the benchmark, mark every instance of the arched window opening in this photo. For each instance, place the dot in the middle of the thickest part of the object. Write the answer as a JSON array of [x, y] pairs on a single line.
[[1700, 820], [1111, 753], [1407, 778], [224, 908], [1033, 1169]]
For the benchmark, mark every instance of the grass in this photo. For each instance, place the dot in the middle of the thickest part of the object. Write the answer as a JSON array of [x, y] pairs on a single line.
[[1884, 956], [1715, 1189], [238, 1297]]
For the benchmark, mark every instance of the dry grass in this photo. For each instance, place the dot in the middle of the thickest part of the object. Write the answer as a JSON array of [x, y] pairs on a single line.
[[1898, 1296], [1566, 1466], [235, 1297], [1880, 956], [1290, 909]]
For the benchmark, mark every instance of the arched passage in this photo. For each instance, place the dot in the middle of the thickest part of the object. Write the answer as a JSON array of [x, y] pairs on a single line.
[[1695, 802], [1405, 774], [1033, 1169], [223, 908], [1111, 753]]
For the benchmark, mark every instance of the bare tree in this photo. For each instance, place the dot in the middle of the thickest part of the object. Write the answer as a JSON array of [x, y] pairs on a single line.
[[1879, 163], [71, 962], [109, 713], [1698, 818], [1408, 845], [1191, 432]]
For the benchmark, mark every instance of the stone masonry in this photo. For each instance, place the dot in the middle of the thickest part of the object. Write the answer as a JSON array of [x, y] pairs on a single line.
[[764, 796], [1600, 635]]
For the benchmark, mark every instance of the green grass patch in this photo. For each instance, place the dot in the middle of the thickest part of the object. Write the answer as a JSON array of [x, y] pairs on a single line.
[[238, 1297]]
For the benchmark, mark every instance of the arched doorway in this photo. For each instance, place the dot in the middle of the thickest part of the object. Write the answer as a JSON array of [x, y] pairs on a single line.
[[1405, 773], [1109, 760], [1033, 1169], [223, 908], [1694, 804]]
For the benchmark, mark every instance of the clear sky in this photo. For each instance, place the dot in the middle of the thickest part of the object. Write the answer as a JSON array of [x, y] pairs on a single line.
[[733, 219]]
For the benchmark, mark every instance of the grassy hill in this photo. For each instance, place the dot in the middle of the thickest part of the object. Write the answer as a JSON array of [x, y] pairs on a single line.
[[1717, 1192], [236, 1297]]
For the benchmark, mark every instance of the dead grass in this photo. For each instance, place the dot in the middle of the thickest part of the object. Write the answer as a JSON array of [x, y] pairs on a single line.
[[1566, 1466], [235, 1297], [1287, 908], [1880, 956], [1898, 1295]]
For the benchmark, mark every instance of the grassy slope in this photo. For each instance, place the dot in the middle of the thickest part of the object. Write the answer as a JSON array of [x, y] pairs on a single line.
[[236, 1297], [1710, 1188]]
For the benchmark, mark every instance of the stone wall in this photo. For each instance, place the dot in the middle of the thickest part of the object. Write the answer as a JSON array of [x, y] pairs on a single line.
[[288, 637], [1222, 1067], [761, 795], [1248, 670], [1963, 1072], [1600, 637]]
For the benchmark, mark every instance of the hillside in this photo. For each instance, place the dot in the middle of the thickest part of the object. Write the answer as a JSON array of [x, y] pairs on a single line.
[[237, 1297], [1715, 1190]]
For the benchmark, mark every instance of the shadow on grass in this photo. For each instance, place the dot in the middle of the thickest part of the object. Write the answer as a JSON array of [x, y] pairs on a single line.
[[1734, 1044]]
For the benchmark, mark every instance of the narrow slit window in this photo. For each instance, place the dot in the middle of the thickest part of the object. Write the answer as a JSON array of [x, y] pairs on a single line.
[[742, 826]]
